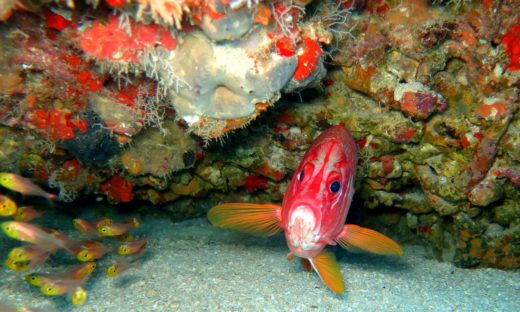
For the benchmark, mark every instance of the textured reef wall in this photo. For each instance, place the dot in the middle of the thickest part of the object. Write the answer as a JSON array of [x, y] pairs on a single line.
[[134, 101]]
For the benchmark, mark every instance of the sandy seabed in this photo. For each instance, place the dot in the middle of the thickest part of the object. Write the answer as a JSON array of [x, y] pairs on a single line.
[[191, 266]]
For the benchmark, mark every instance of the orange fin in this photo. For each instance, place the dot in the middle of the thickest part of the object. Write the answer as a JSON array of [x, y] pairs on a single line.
[[355, 236], [262, 219], [306, 264], [329, 271]]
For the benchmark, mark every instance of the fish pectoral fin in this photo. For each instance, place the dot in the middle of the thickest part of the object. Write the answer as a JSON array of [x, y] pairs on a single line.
[[369, 240], [262, 219], [328, 269]]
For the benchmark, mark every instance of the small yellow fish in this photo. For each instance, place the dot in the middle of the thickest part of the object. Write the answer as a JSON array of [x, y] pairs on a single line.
[[85, 228], [38, 280], [27, 214], [7, 206], [79, 297], [49, 240], [91, 251], [117, 229], [79, 272], [102, 222], [28, 255], [16, 266], [60, 287], [22, 185], [132, 248], [119, 267]]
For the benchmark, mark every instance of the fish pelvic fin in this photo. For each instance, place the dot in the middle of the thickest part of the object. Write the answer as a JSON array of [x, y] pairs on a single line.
[[328, 269], [306, 264], [354, 236], [261, 219]]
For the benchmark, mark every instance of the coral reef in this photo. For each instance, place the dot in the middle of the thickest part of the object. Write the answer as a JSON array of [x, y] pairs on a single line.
[[113, 89], [127, 106]]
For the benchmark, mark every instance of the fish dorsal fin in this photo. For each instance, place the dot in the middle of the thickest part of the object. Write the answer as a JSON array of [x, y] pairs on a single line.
[[329, 271], [262, 219], [359, 237]]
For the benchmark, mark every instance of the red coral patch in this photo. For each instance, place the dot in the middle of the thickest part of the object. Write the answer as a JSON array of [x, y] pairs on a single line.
[[253, 182], [511, 42], [308, 58], [118, 188]]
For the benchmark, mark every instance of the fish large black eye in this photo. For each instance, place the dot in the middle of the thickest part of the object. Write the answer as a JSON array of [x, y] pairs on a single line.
[[300, 176], [334, 186]]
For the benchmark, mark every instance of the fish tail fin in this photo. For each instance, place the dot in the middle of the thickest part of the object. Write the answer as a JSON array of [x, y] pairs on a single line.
[[328, 269], [359, 237], [262, 219]]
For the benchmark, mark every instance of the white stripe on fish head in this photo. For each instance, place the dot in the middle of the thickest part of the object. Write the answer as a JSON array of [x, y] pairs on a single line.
[[325, 162]]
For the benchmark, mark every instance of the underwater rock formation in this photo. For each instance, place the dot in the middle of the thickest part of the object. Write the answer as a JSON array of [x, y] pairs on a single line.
[[119, 85], [222, 76], [430, 90]]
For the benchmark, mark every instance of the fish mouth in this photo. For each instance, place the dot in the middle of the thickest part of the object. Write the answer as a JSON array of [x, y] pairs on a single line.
[[303, 229], [305, 213]]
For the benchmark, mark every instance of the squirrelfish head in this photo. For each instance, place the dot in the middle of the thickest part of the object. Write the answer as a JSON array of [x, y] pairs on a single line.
[[316, 202]]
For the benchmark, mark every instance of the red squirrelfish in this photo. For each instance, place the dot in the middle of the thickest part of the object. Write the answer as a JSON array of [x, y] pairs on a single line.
[[313, 210]]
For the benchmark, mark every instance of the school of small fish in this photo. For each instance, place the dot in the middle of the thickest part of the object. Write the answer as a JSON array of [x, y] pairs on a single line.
[[103, 236]]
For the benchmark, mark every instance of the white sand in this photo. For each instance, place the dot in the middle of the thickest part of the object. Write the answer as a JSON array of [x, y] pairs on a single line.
[[195, 267]]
